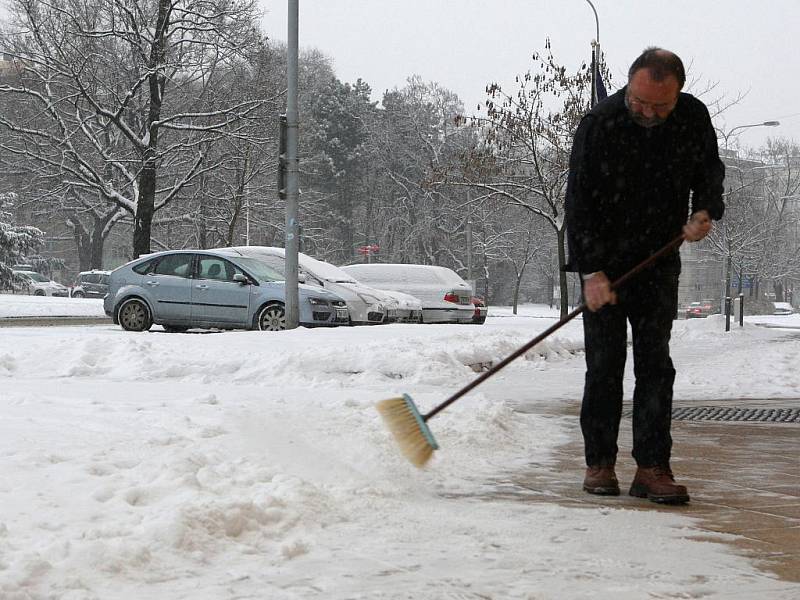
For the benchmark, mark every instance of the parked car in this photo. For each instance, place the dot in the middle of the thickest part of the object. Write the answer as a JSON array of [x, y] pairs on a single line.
[[90, 284], [367, 306], [782, 308], [696, 310], [210, 288], [409, 308], [31, 282], [445, 297]]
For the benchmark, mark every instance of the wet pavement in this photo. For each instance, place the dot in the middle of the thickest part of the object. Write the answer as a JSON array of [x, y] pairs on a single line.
[[53, 321], [743, 479]]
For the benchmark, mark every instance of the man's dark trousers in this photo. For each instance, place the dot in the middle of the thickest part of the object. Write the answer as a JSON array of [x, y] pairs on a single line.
[[650, 302]]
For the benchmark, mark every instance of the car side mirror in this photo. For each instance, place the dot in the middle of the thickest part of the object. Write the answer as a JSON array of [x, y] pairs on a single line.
[[301, 278], [240, 278]]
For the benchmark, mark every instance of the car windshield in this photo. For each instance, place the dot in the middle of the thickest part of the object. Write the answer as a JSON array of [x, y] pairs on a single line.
[[323, 270], [36, 277], [259, 270]]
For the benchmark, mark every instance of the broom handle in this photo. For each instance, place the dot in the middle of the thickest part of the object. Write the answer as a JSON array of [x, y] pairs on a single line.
[[519, 352]]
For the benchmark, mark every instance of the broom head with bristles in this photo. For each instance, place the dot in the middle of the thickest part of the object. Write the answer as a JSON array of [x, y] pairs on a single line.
[[409, 429]]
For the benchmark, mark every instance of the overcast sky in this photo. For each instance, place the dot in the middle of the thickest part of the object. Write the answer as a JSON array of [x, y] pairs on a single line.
[[746, 46]]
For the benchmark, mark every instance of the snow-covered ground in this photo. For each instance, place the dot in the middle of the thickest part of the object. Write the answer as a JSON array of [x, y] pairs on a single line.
[[253, 465], [19, 305]]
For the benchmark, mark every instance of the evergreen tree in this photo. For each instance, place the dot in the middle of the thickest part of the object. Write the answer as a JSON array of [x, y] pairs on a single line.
[[15, 241]]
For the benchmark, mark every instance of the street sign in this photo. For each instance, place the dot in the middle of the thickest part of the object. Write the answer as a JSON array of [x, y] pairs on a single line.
[[369, 249]]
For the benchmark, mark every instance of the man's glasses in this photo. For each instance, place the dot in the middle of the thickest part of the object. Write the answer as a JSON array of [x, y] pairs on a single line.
[[658, 107]]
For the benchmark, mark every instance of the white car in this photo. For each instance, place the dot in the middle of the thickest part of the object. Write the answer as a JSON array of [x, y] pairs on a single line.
[[38, 285], [782, 308], [409, 308], [445, 297], [367, 306]]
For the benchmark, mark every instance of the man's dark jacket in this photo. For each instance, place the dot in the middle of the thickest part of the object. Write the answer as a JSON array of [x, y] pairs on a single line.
[[629, 186]]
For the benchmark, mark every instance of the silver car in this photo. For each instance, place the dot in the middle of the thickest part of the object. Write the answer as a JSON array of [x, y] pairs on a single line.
[[409, 308], [37, 284], [90, 284], [367, 306], [445, 297], [182, 289]]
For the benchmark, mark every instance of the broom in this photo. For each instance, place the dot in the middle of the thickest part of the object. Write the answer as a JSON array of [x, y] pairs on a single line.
[[410, 427]]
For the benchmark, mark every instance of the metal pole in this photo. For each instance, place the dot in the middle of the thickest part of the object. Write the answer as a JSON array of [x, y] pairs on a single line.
[[727, 313], [595, 56], [292, 171], [469, 252], [593, 94], [596, 20], [741, 310]]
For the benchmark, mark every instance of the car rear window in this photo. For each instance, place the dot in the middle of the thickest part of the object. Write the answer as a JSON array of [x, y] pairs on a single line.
[[178, 265], [144, 267]]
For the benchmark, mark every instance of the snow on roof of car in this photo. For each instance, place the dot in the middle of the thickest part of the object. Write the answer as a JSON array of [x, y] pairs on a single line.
[[318, 268], [413, 273]]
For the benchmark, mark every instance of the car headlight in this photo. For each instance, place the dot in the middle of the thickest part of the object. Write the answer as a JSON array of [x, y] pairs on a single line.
[[317, 301]]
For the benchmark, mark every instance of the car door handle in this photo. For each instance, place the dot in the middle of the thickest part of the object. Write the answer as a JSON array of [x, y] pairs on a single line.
[[201, 286], [152, 283]]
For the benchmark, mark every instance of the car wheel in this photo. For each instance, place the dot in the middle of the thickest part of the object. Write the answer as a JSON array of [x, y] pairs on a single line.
[[271, 318], [134, 315], [78, 295], [38, 293], [175, 328]]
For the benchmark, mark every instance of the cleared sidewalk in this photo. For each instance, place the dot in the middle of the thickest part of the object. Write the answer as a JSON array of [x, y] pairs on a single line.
[[743, 478]]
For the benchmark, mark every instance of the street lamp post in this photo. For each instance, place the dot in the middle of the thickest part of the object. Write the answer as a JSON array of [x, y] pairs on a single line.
[[727, 135], [596, 20], [595, 55], [292, 171]]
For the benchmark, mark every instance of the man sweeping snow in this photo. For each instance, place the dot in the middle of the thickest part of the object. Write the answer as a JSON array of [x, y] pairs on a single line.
[[637, 159]]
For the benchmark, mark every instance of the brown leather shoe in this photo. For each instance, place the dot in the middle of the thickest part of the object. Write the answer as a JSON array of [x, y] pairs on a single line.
[[601, 481], [658, 485]]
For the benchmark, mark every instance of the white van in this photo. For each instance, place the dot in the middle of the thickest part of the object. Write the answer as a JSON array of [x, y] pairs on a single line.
[[445, 297]]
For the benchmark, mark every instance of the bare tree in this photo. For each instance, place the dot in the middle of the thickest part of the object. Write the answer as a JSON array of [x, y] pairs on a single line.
[[528, 134], [417, 137], [115, 90]]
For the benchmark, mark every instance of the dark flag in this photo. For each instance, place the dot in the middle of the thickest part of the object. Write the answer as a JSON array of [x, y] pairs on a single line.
[[598, 88]]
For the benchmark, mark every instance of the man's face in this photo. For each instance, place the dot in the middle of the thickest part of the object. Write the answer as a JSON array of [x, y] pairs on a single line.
[[650, 102]]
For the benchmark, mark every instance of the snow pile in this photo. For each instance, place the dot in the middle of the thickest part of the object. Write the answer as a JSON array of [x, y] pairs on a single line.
[[233, 465], [17, 305]]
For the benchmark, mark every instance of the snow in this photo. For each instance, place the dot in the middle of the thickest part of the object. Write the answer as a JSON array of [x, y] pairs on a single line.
[[210, 466], [19, 305]]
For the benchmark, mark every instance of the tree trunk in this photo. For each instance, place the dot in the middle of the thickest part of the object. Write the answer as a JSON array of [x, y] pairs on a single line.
[[516, 290], [83, 243], [145, 205], [90, 244], [777, 285]]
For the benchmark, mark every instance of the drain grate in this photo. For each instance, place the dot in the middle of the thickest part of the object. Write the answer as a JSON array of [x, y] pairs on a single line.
[[740, 415]]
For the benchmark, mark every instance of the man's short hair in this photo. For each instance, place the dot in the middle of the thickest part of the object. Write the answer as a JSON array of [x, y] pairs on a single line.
[[661, 64]]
